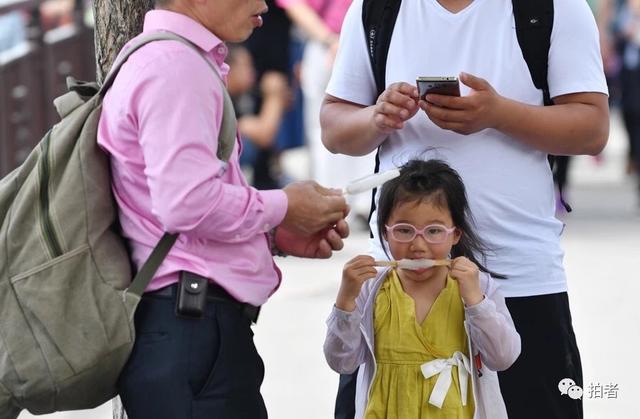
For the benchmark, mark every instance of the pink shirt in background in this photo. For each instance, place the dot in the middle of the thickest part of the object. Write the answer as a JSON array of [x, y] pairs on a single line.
[[160, 123], [332, 12]]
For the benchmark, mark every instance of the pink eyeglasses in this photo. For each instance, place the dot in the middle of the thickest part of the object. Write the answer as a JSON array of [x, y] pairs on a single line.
[[434, 233]]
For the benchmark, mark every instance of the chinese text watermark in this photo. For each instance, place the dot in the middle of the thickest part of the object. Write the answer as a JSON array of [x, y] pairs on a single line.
[[569, 388]]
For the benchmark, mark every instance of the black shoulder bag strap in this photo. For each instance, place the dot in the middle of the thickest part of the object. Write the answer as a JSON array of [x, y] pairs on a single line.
[[534, 24], [378, 19]]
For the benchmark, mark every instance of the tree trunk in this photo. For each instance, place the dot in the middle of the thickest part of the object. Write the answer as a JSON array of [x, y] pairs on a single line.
[[116, 22]]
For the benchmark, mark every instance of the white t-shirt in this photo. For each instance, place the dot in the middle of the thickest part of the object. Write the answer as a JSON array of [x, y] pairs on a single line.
[[509, 184]]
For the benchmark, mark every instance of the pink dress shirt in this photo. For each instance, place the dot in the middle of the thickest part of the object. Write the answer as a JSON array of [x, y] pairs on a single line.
[[331, 12], [160, 123]]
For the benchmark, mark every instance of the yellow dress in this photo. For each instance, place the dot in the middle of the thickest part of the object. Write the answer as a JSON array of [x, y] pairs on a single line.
[[399, 389]]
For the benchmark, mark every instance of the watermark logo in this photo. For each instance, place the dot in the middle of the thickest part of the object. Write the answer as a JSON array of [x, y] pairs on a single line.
[[569, 388], [599, 391]]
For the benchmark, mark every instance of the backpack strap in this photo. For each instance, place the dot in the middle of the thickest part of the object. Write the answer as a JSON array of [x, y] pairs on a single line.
[[226, 142], [151, 265], [228, 127], [379, 19], [534, 23]]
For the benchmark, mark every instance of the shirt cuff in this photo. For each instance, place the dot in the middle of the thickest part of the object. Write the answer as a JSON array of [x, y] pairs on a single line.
[[344, 320], [479, 309], [275, 207], [346, 315]]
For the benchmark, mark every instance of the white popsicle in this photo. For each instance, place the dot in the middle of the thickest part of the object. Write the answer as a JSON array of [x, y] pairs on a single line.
[[369, 182], [413, 264]]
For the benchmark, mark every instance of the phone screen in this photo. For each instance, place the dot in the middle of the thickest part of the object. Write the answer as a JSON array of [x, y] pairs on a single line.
[[438, 85]]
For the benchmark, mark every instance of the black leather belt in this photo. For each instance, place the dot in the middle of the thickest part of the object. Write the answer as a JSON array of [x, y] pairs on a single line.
[[215, 293]]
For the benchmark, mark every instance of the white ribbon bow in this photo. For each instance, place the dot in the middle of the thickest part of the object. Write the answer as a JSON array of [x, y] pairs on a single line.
[[443, 367]]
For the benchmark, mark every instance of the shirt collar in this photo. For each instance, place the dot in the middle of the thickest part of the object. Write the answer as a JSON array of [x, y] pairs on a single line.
[[186, 27]]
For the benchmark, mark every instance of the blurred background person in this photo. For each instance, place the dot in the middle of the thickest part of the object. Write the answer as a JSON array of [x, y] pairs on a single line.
[[629, 47], [619, 24], [321, 21], [259, 126], [273, 50]]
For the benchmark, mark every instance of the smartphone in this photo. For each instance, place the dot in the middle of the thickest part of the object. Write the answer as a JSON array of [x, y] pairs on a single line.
[[438, 85]]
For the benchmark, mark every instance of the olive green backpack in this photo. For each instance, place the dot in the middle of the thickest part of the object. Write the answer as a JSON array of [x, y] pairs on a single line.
[[66, 296]]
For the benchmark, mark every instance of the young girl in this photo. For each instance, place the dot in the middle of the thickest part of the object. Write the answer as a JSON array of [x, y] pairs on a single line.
[[418, 335]]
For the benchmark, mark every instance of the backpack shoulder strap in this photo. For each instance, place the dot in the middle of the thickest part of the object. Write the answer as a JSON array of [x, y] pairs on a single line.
[[379, 19], [228, 127], [534, 23]]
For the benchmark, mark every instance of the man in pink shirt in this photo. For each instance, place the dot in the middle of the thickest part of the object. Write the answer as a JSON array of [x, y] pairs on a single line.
[[160, 123]]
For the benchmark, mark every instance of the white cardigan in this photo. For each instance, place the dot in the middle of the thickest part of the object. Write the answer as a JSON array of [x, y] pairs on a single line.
[[349, 345]]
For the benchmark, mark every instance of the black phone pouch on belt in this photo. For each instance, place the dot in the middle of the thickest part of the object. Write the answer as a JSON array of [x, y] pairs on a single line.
[[192, 295]]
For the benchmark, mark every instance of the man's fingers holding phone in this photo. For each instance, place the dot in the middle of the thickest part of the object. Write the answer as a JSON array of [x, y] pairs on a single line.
[[395, 105], [444, 101], [400, 94]]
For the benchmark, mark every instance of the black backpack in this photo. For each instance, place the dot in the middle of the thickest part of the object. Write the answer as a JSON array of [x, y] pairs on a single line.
[[534, 23]]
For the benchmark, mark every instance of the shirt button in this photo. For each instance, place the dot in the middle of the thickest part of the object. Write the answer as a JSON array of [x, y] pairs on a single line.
[[221, 50]]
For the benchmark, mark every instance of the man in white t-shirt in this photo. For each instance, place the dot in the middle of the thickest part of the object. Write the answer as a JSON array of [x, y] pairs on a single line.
[[497, 136]]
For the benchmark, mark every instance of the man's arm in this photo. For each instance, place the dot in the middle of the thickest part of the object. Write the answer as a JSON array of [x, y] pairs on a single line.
[[347, 128], [184, 176], [578, 123], [356, 130]]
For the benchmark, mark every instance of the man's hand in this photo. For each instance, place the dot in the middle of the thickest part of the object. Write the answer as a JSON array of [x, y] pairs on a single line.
[[467, 114], [319, 245], [397, 104], [312, 208]]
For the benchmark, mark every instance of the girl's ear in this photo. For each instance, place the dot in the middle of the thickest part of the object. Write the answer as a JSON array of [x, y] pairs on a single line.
[[456, 236], [384, 234]]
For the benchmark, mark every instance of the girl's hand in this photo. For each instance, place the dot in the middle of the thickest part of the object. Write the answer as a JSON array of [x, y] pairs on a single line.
[[354, 274], [468, 276], [397, 104]]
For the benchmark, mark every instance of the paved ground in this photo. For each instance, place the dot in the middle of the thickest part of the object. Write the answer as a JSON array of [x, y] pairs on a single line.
[[602, 243]]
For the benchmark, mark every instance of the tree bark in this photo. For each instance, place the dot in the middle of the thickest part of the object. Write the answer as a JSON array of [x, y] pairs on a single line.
[[116, 22]]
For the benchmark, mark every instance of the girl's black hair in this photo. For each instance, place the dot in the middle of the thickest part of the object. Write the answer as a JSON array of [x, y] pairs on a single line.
[[436, 182]]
